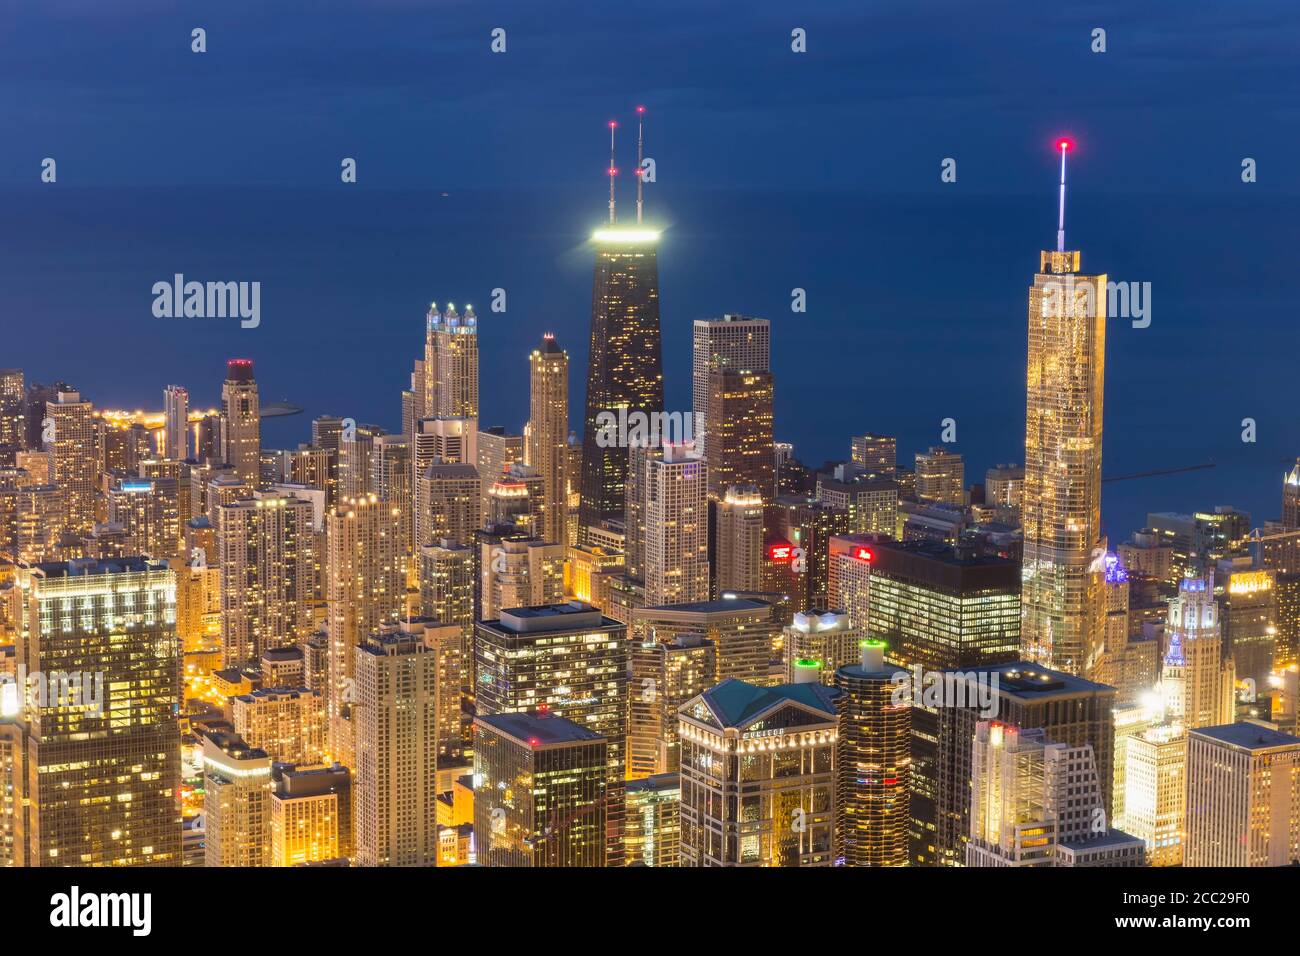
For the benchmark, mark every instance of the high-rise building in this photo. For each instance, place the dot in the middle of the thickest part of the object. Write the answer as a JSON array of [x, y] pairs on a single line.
[[311, 815], [875, 762], [871, 502], [365, 587], [1071, 711], [446, 643], [569, 660], [1154, 767], [654, 828], [759, 775], [13, 409], [1034, 802], [148, 511], [396, 726], [548, 433], [541, 792], [1197, 681], [356, 446], [940, 476], [286, 722], [1249, 614], [1061, 500], [1004, 485], [241, 421], [731, 343], [738, 443], [104, 754], [666, 673], [176, 423], [448, 503], [496, 453], [451, 363], [738, 541], [391, 479], [236, 802], [825, 636], [744, 635], [1291, 498], [1243, 797], [677, 528], [935, 606], [265, 548], [519, 573], [625, 365], [875, 454], [70, 433]]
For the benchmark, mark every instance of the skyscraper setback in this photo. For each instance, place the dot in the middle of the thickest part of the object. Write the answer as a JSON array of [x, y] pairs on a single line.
[[1061, 597]]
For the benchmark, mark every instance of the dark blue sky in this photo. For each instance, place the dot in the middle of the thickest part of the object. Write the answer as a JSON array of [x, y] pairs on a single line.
[[775, 170]]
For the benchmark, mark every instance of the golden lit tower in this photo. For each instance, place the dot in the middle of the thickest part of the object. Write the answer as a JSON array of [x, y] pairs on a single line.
[[625, 367], [548, 433], [1061, 596], [176, 424], [241, 416], [451, 363]]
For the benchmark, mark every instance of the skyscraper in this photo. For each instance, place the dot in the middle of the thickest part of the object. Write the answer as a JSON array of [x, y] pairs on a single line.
[[13, 409], [451, 363], [625, 367], [241, 420], [1197, 679], [666, 673], [569, 660], [940, 476], [559, 818], [731, 343], [265, 548], [105, 773], [176, 423], [875, 739], [69, 428], [396, 722], [1061, 501], [738, 541], [548, 433], [236, 802], [738, 445], [677, 528]]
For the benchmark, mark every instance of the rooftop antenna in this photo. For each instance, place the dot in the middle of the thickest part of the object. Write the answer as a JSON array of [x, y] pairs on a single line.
[[640, 151], [1064, 146], [612, 171]]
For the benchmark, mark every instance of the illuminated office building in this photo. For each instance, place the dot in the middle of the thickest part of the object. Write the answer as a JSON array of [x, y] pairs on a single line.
[[286, 722], [103, 779], [1038, 803], [148, 510], [542, 792], [448, 503], [311, 815], [496, 453], [939, 607], [70, 428], [236, 802], [1243, 797], [634, 526], [875, 454], [13, 409], [241, 422], [940, 477], [396, 732], [871, 502], [654, 829], [758, 775], [447, 595], [1154, 765], [677, 528], [365, 587], [743, 633], [731, 343], [1197, 680], [520, 573], [1291, 498], [446, 643], [666, 672], [176, 423], [451, 363], [1069, 709], [571, 661], [875, 738], [1129, 661], [738, 445], [1249, 609], [738, 540], [797, 550], [825, 636], [590, 571], [1061, 500], [548, 433], [625, 364], [265, 551]]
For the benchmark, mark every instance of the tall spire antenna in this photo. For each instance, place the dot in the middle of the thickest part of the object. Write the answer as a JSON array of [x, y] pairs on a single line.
[[1064, 146], [640, 152], [612, 171]]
